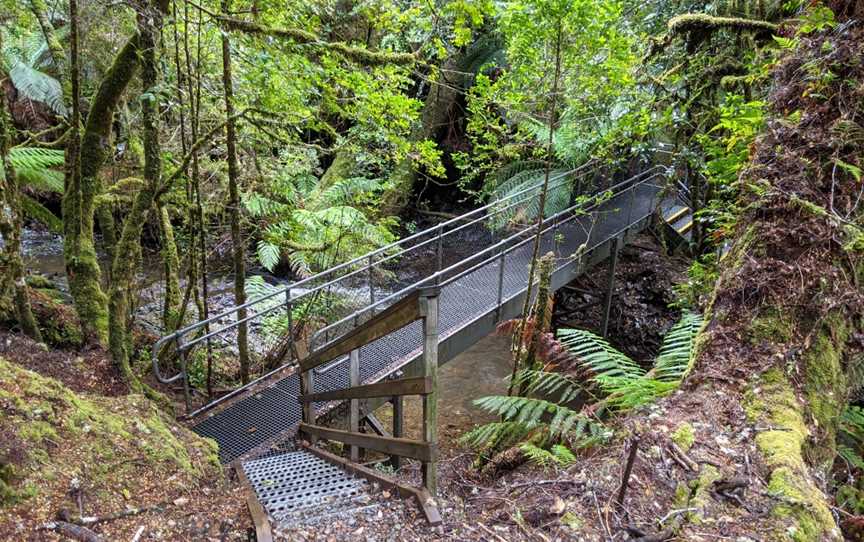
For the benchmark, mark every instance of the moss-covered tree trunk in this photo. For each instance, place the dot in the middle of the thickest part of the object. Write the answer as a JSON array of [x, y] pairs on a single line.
[[123, 267], [171, 264], [239, 246], [12, 285]]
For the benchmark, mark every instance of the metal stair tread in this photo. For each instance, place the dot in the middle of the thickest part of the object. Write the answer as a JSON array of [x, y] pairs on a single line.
[[322, 489]]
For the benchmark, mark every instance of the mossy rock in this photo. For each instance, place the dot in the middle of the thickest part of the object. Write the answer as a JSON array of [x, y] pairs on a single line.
[[57, 321], [800, 504], [54, 435]]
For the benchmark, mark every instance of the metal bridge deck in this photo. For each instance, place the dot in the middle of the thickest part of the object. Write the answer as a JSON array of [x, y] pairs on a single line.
[[468, 306]]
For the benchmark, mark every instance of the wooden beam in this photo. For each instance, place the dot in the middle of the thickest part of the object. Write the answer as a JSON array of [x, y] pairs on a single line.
[[423, 451], [375, 425], [398, 422], [396, 316], [354, 404], [429, 309], [424, 500], [263, 532], [419, 385]]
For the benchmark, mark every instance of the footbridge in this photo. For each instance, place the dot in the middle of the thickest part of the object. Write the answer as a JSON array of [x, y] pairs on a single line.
[[475, 266]]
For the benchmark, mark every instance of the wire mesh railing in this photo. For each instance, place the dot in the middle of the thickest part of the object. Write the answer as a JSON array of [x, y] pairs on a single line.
[[286, 321]]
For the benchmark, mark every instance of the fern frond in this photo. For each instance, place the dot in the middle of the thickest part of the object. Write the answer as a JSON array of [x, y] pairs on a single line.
[[599, 356], [496, 435], [39, 212], [557, 455], [547, 383], [38, 86], [676, 353]]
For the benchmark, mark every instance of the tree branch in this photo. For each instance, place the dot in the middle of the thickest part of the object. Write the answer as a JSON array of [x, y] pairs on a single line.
[[359, 55]]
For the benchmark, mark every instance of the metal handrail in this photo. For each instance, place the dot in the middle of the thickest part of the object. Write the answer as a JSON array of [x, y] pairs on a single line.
[[442, 273], [435, 233]]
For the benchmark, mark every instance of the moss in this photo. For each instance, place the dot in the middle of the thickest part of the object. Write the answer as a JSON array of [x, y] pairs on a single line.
[[700, 22], [799, 503], [825, 388], [697, 493], [684, 436], [772, 326], [59, 430]]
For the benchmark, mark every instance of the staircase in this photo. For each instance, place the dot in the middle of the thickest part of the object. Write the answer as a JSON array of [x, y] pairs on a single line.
[[299, 485], [678, 216]]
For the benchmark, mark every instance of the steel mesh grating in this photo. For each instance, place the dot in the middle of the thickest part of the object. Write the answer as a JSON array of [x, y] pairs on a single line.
[[299, 481]]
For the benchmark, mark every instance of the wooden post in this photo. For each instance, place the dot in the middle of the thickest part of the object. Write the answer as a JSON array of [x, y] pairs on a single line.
[[607, 302], [306, 387], [354, 404], [429, 312], [398, 421]]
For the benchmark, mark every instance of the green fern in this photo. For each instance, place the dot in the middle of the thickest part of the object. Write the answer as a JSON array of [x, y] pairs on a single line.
[[37, 168], [538, 424], [676, 353], [26, 63], [557, 455], [604, 361], [309, 224]]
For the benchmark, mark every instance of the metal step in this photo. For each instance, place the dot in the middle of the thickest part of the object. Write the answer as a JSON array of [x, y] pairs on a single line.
[[299, 486]]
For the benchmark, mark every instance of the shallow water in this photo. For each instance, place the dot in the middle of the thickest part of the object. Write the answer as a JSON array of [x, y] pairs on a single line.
[[481, 370]]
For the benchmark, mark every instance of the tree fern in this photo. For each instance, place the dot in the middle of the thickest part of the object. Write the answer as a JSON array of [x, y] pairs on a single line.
[[25, 65]]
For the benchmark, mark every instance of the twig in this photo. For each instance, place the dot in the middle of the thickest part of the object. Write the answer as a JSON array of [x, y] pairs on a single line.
[[138, 534], [676, 512], [628, 469], [600, 515], [491, 532], [70, 530]]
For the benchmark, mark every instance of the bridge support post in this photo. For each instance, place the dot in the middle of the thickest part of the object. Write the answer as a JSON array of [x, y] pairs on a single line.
[[307, 387], [398, 427], [354, 404], [607, 301], [429, 312]]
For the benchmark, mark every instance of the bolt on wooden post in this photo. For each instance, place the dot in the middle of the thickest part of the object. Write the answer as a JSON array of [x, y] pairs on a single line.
[[429, 313]]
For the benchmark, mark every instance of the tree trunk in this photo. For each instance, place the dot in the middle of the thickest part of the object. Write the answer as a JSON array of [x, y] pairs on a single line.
[[239, 245], [443, 93], [12, 279], [123, 268], [171, 263]]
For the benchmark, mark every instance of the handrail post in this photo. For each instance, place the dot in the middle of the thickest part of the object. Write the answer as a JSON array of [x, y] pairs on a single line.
[[398, 421], [429, 312], [354, 405], [307, 387], [371, 284], [289, 309], [440, 250], [500, 286]]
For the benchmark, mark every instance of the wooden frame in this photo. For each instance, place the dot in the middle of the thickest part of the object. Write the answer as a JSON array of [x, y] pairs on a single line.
[[420, 304], [415, 449], [421, 385]]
